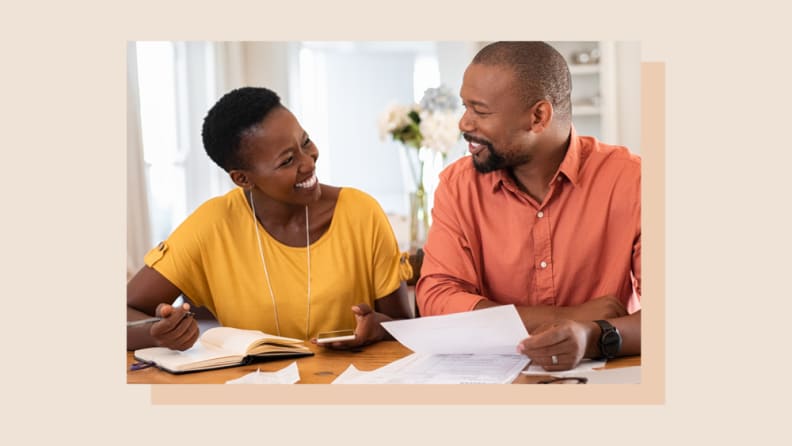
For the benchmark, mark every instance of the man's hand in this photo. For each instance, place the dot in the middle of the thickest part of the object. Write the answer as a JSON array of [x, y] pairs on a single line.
[[565, 340], [178, 330]]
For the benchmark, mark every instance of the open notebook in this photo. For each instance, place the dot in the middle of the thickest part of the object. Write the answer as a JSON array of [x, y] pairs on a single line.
[[224, 347]]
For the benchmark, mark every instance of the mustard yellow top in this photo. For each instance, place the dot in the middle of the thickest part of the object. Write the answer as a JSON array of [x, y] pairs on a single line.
[[213, 258]]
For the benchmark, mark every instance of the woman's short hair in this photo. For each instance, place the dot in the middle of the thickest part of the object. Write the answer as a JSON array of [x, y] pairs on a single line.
[[226, 122]]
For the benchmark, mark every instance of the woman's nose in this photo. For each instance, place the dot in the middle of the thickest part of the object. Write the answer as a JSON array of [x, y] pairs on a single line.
[[308, 161]]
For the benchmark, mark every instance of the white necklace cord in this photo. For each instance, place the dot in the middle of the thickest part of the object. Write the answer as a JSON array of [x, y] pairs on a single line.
[[266, 273], [308, 256], [264, 264]]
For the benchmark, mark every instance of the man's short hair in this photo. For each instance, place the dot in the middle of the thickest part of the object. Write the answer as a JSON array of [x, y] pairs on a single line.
[[227, 121], [541, 71]]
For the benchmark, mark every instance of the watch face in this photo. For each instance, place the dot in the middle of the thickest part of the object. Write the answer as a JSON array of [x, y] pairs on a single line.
[[612, 341]]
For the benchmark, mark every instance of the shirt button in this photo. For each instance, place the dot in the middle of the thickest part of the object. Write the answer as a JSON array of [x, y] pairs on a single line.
[[543, 265], [540, 214]]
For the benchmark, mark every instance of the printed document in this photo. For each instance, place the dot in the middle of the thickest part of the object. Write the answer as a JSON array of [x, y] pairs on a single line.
[[492, 330], [475, 347]]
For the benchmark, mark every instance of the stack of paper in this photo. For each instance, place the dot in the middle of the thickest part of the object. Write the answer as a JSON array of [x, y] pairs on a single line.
[[462, 348]]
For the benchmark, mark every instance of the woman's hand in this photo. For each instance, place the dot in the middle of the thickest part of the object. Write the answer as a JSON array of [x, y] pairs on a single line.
[[367, 331], [178, 330]]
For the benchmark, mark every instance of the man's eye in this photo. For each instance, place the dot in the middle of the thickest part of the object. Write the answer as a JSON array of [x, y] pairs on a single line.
[[307, 142], [287, 161], [473, 109]]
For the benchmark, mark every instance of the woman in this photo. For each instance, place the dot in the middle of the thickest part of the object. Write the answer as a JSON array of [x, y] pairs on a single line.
[[281, 253]]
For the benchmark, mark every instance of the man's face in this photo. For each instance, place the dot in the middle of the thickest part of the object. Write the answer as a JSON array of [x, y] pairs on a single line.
[[496, 122]]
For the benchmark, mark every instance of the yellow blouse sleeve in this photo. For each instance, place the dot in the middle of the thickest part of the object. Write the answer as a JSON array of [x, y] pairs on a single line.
[[390, 265]]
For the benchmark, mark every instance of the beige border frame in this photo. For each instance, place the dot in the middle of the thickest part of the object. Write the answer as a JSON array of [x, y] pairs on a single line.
[[652, 387]]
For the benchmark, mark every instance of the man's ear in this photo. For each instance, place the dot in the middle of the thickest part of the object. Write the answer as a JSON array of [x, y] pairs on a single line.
[[240, 179], [541, 115]]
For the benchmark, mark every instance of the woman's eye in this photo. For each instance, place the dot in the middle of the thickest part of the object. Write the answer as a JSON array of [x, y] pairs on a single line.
[[287, 161], [307, 142]]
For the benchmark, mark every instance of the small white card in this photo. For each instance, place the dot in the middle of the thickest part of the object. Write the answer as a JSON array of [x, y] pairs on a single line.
[[287, 375]]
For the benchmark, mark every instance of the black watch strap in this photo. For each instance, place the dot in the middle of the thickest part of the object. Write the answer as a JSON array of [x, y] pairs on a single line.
[[610, 340]]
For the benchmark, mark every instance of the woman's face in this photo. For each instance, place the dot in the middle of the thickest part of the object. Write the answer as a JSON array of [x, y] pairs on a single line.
[[281, 159]]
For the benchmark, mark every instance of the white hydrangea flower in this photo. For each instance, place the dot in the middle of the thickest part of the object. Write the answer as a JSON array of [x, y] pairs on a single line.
[[440, 130], [395, 117], [439, 99]]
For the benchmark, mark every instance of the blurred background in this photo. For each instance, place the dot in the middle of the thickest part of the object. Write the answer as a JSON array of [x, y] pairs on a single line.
[[339, 92]]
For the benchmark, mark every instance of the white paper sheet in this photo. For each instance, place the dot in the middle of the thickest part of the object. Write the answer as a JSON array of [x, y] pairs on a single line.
[[462, 348], [287, 375], [476, 368], [495, 330], [586, 365]]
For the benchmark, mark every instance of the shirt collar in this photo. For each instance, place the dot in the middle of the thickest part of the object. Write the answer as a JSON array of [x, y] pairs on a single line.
[[569, 167]]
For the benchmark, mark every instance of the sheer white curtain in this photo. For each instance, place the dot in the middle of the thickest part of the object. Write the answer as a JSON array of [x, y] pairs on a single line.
[[170, 88], [229, 66], [138, 228]]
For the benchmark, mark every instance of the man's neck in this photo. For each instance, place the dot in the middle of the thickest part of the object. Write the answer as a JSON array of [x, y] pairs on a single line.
[[534, 177]]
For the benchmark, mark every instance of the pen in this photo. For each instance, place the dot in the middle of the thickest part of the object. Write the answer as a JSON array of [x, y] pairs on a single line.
[[153, 319], [141, 365], [143, 321]]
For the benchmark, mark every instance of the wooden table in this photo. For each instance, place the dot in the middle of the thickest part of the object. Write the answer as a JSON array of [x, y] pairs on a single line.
[[322, 368]]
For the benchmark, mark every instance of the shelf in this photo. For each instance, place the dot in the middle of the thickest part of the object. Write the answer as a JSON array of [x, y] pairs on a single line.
[[592, 86]]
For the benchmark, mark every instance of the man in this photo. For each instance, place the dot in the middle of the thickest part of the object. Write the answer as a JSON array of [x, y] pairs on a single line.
[[538, 217]]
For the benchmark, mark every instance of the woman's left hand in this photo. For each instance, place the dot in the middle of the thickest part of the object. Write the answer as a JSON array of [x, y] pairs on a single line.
[[367, 331]]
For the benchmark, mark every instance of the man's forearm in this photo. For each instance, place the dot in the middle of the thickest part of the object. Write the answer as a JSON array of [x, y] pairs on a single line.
[[630, 330], [531, 317]]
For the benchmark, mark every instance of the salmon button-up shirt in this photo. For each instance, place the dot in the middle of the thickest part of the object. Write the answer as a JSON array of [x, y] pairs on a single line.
[[490, 240]]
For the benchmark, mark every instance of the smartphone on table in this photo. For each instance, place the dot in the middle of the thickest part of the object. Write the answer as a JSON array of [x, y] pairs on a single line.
[[335, 336]]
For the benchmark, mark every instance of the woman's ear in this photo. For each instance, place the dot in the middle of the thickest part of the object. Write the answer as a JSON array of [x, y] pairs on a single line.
[[240, 179]]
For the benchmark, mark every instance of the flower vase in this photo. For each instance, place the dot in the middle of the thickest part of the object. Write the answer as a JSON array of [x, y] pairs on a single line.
[[419, 217]]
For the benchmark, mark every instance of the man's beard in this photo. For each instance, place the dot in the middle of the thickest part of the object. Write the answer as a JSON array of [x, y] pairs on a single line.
[[494, 160]]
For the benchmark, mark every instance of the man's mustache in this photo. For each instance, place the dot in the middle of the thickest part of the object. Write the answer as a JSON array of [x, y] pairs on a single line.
[[473, 139]]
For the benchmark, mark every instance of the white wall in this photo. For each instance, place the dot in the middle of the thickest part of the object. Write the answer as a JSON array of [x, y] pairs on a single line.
[[628, 82], [360, 85], [266, 64]]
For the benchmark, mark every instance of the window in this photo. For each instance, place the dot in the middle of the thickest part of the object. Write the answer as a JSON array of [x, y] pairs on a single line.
[[176, 86]]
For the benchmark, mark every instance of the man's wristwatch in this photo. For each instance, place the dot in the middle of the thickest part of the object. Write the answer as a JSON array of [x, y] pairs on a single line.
[[610, 340]]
